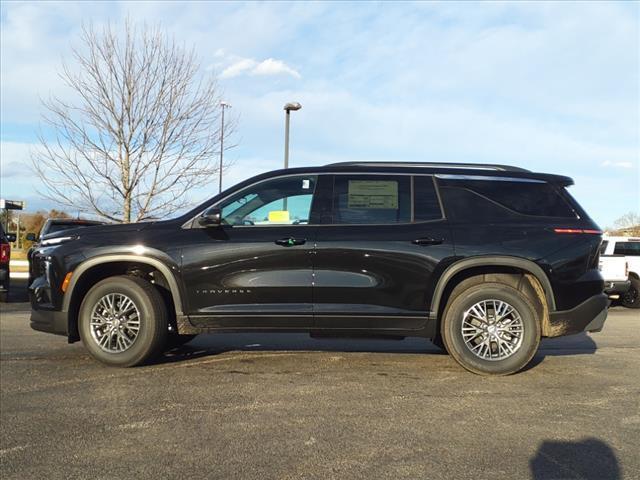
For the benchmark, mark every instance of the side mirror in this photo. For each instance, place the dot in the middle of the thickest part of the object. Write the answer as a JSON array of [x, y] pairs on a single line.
[[211, 218], [11, 237], [31, 237]]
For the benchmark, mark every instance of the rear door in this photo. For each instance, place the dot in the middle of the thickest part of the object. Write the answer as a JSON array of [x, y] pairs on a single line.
[[376, 252]]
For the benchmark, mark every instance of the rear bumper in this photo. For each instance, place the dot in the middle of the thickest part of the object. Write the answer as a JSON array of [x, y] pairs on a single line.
[[49, 321], [621, 286], [589, 316]]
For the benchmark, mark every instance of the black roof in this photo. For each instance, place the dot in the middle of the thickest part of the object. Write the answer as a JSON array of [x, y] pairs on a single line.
[[467, 169], [474, 166]]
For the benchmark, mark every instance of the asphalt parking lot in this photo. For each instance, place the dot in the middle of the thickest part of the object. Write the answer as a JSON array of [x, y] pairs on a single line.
[[288, 406]]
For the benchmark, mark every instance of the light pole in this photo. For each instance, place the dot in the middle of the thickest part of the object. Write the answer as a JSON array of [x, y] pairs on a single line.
[[288, 108], [223, 105]]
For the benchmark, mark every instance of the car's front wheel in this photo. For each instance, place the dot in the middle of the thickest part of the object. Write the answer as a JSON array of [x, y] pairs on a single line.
[[123, 321], [491, 329]]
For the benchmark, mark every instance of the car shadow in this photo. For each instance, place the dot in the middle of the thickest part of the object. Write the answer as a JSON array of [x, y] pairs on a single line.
[[218, 343], [588, 459], [578, 344]]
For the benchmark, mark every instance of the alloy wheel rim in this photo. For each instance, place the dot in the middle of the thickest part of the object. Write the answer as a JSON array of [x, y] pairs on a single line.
[[115, 323], [492, 330]]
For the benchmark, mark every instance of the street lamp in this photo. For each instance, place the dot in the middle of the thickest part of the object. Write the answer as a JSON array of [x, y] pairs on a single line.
[[223, 105], [288, 108]]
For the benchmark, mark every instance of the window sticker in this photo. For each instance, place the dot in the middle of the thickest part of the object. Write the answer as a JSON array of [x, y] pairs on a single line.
[[373, 194], [278, 216], [306, 184]]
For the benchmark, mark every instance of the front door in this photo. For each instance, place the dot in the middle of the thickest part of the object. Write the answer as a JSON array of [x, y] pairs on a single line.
[[375, 259], [255, 270]]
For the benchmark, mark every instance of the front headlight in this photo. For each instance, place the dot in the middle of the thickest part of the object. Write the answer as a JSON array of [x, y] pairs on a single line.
[[56, 241]]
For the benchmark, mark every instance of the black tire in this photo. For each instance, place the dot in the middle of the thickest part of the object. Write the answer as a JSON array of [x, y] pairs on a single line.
[[176, 340], [153, 327], [4, 297], [631, 299], [451, 329]]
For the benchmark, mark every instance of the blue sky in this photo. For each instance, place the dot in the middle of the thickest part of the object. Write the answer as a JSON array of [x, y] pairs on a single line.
[[552, 87]]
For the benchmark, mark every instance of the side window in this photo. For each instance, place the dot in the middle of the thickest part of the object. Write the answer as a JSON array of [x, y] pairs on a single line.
[[281, 201], [627, 248], [371, 199], [496, 198], [426, 205]]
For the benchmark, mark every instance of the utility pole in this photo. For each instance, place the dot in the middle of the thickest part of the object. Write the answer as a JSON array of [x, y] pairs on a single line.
[[288, 108], [223, 105]]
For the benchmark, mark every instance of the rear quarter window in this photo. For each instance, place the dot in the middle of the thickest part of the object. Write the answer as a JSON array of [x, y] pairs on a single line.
[[496, 197]]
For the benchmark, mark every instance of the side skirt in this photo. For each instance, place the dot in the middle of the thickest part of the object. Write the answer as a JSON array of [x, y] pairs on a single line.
[[363, 325]]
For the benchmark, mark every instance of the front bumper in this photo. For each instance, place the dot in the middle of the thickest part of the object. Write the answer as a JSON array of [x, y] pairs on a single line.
[[617, 287], [50, 321], [589, 316]]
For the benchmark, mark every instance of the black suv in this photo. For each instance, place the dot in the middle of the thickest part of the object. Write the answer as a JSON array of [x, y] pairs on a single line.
[[485, 260]]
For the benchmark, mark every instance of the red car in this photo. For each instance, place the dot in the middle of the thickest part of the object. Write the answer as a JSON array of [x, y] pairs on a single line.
[[5, 255]]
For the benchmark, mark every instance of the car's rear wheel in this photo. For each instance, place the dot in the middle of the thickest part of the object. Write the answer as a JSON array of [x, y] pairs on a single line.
[[491, 329], [123, 321], [631, 298]]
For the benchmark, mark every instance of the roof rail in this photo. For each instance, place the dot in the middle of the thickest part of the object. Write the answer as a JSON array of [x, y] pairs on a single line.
[[471, 166]]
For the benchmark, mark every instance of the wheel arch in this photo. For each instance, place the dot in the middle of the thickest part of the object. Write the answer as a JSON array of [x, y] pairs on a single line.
[[95, 269], [461, 269]]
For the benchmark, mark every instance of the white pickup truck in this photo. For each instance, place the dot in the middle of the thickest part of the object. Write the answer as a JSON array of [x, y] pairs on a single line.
[[620, 267]]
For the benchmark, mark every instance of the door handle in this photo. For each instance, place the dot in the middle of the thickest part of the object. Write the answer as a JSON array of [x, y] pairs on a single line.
[[290, 242], [427, 241]]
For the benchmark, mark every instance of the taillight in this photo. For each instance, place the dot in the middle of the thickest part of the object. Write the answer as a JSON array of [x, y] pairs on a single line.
[[5, 252], [578, 230]]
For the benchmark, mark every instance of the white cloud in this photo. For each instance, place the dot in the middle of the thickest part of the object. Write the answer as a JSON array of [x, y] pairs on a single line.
[[274, 67], [249, 66], [238, 68], [609, 163]]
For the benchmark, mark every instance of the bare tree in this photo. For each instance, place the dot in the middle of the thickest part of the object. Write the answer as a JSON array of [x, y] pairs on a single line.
[[143, 133], [628, 220]]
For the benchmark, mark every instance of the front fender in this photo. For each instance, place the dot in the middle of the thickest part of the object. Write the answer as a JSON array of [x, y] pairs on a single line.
[[155, 258]]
